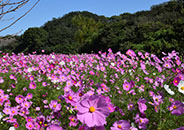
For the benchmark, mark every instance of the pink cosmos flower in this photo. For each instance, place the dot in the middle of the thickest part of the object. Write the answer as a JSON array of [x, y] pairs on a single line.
[[71, 98], [1, 101], [44, 84], [26, 104], [1, 80], [29, 96], [54, 127], [6, 110], [141, 105], [142, 121], [19, 99], [73, 121], [126, 86], [93, 110], [91, 128], [14, 111], [32, 85], [55, 106], [1, 92], [30, 125], [121, 125]]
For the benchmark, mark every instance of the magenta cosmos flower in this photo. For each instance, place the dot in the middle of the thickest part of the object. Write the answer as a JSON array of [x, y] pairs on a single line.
[[93, 110], [176, 81]]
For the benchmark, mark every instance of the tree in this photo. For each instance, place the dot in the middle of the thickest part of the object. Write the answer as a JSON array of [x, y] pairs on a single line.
[[10, 6], [32, 40], [88, 31]]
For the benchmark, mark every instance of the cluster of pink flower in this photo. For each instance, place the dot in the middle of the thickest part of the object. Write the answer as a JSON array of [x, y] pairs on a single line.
[[83, 91]]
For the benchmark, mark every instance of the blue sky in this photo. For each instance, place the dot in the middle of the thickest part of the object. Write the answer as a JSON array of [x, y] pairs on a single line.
[[48, 9]]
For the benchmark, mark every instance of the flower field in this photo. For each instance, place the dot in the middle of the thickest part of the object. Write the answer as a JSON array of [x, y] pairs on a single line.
[[104, 91]]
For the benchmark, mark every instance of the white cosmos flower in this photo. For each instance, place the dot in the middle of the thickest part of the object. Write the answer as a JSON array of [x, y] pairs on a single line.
[[12, 128], [62, 63], [53, 56], [130, 71], [1, 115], [112, 64], [29, 70], [181, 86], [166, 87]]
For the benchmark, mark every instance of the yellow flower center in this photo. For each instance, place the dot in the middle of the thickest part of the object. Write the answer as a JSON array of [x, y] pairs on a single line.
[[70, 97], [119, 126], [40, 122], [140, 121], [30, 126], [126, 86], [72, 120], [182, 88], [54, 105], [92, 109], [174, 107]]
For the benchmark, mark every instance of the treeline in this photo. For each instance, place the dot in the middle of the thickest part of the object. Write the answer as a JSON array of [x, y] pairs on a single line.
[[159, 29]]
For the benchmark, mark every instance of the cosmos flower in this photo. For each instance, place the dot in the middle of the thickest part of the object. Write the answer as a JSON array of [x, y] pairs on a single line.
[[181, 86], [1, 80], [176, 108], [121, 125], [12, 128], [32, 85], [54, 127], [73, 121], [30, 125], [1, 115], [19, 99], [141, 105], [55, 106], [126, 86], [130, 106], [71, 97], [142, 121], [166, 87], [181, 128], [92, 111], [131, 53], [176, 81]]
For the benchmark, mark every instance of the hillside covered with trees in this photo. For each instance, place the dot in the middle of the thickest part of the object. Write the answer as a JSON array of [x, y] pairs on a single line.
[[159, 29]]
